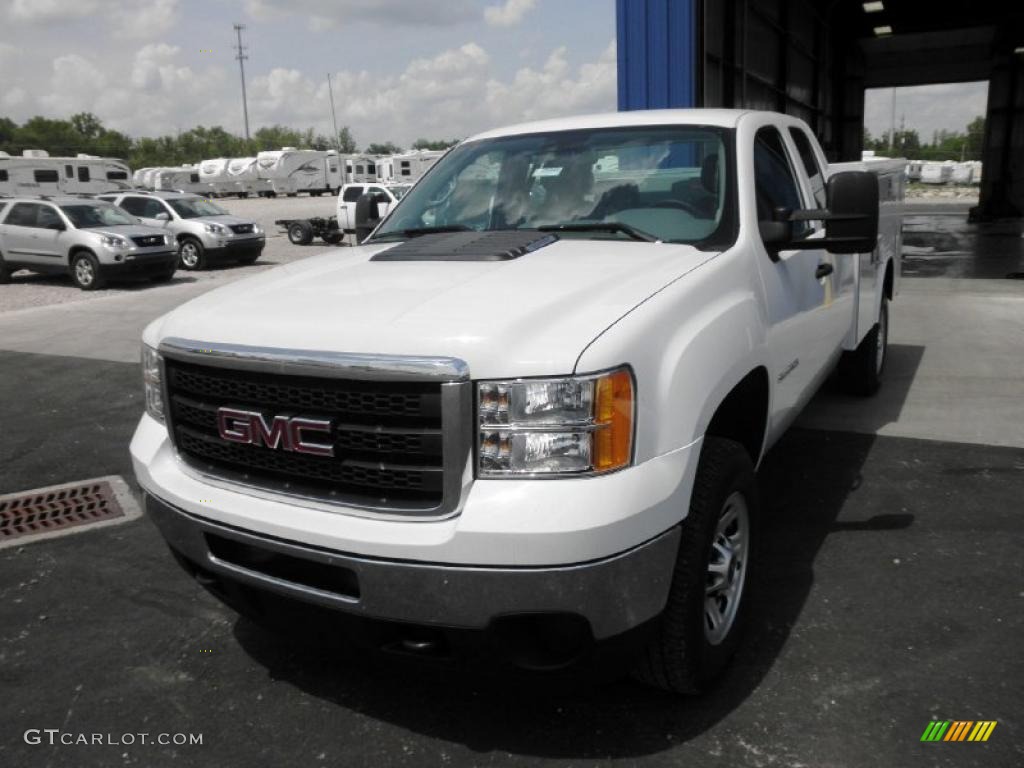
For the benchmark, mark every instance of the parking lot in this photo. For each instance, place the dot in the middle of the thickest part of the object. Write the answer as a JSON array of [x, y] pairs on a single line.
[[890, 590]]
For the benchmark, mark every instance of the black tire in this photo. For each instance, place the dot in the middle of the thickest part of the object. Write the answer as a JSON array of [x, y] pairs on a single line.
[[861, 371], [683, 655], [5, 273], [191, 254], [333, 236], [242, 195], [300, 232], [85, 271], [164, 277]]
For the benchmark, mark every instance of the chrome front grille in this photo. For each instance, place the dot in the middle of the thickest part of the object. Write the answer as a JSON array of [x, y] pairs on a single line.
[[399, 433]]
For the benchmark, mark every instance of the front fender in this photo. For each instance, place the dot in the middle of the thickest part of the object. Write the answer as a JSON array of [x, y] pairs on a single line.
[[689, 345]]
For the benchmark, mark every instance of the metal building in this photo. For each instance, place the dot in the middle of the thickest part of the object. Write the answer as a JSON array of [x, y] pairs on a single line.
[[815, 59]]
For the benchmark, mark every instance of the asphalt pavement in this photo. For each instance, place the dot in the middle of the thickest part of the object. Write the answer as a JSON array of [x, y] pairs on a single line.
[[889, 594]]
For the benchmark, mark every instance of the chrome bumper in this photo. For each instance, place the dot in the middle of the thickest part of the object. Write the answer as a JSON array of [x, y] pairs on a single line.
[[614, 594]]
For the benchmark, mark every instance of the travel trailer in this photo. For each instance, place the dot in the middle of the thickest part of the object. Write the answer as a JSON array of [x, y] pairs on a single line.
[[936, 173], [962, 173], [139, 177], [36, 173], [183, 178], [290, 171], [406, 167], [243, 173], [214, 174], [360, 169]]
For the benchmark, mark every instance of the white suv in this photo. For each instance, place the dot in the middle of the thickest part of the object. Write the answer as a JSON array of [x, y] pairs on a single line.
[[203, 231], [89, 239]]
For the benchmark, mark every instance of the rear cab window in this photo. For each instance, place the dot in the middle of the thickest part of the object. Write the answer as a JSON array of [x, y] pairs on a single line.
[[351, 194], [811, 165]]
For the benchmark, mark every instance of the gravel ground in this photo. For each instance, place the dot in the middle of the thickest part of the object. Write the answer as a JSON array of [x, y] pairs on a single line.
[[28, 289]]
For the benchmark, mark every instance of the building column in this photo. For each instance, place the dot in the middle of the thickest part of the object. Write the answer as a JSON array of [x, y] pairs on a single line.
[[658, 53]]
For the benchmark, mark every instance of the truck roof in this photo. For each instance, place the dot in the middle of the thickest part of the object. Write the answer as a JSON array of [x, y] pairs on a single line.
[[724, 118]]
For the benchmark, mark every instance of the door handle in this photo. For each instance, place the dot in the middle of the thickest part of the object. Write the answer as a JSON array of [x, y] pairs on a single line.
[[823, 270]]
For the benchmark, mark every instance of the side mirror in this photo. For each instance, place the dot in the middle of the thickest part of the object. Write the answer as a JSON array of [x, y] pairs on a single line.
[[852, 226], [163, 216]]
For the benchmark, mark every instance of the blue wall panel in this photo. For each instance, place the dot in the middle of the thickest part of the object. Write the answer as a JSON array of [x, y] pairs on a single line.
[[657, 53]]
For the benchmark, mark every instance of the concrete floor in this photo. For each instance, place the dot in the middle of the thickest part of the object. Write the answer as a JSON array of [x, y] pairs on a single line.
[[889, 593]]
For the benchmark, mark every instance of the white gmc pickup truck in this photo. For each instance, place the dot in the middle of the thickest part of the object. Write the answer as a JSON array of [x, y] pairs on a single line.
[[529, 408]]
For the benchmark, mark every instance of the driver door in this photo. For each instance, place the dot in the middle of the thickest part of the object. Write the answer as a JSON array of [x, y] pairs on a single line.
[[795, 293]]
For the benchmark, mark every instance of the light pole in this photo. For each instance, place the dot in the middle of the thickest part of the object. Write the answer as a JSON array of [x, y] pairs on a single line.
[[334, 117], [241, 68]]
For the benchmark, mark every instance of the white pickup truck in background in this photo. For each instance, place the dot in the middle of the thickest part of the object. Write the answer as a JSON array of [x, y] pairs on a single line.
[[530, 406]]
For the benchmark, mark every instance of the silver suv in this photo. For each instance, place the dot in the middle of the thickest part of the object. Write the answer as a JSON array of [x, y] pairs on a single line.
[[204, 231], [90, 239]]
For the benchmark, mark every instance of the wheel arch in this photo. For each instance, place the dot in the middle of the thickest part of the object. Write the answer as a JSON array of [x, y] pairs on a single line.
[[79, 249], [742, 415]]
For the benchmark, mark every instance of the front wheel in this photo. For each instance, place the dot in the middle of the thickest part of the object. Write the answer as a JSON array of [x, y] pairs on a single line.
[[861, 371], [191, 254], [85, 271], [699, 630], [333, 236]]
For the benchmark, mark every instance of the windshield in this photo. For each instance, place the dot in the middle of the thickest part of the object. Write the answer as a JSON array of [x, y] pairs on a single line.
[[193, 207], [91, 216], [668, 182]]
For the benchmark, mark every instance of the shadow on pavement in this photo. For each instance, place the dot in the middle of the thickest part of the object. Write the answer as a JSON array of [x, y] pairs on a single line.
[[805, 483]]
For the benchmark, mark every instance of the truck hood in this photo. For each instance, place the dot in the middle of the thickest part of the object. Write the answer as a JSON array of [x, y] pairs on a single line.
[[225, 221], [532, 315]]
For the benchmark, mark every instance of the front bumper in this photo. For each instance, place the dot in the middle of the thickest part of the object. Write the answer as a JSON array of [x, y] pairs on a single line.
[[144, 263], [613, 595], [229, 250]]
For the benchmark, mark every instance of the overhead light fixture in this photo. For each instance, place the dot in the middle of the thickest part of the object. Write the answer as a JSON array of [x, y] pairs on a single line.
[[1019, 49], [874, 7], [883, 30]]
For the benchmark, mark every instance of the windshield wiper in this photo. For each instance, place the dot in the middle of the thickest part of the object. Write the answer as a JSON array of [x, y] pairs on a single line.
[[417, 231], [602, 226]]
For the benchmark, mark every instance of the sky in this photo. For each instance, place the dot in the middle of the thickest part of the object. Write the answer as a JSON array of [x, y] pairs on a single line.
[[402, 70], [926, 108]]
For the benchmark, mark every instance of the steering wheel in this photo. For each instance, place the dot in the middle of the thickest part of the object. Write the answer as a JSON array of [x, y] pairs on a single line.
[[679, 205]]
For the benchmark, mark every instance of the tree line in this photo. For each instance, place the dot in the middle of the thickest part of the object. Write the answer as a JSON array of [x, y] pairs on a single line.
[[85, 133], [944, 145]]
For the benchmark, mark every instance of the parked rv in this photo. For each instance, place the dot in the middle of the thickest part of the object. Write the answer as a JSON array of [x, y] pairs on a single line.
[[290, 171], [406, 167], [214, 174], [936, 173], [36, 173], [244, 175], [184, 178], [360, 169]]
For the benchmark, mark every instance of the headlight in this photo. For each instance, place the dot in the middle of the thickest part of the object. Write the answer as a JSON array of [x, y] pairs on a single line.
[[113, 241], [168, 239], [152, 382], [566, 426], [257, 229], [216, 229]]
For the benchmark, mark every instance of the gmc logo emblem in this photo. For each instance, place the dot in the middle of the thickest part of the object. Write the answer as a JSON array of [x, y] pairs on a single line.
[[289, 433]]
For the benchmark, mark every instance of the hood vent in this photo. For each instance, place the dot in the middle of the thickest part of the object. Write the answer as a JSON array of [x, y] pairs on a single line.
[[499, 245]]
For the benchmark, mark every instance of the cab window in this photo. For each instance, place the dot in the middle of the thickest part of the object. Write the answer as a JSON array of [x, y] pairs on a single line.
[[810, 163], [774, 179], [23, 215], [48, 218], [351, 194]]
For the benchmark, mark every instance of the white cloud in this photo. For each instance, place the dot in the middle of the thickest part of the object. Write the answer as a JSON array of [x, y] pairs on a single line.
[[146, 20], [41, 11], [128, 18], [386, 12], [454, 93], [508, 14]]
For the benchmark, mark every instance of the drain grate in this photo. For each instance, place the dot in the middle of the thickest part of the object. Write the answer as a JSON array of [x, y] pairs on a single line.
[[59, 509]]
